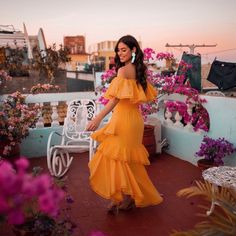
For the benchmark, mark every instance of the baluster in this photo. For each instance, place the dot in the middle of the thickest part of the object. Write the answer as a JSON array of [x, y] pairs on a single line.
[[189, 126], [168, 115], [178, 118], [40, 122], [54, 115]]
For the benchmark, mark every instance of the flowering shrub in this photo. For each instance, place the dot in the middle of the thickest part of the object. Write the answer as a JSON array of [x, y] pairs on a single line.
[[43, 88], [149, 108], [198, 116], [215, 149], [20, 190], [16, 117], [106, 78], [32, 201], [4, 77]]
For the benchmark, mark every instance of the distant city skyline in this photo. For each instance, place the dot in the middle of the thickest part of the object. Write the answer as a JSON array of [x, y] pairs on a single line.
[[153, 22]]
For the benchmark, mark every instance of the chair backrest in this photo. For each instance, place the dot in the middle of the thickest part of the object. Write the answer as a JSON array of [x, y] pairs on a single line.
[[79, 112]]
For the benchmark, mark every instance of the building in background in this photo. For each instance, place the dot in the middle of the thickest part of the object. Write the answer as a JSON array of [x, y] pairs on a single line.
[[79, 57], [102, 54]]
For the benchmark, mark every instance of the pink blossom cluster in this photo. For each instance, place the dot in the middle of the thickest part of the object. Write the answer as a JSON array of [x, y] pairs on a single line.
[[215, 149], [108, 75], [199, 117], [16, 118], [4, 77], [184, 66], [106, 78], [103, 100], [148, 54], [149, 108], [23, 195], [174, 106], [43, 88], [164, 55]]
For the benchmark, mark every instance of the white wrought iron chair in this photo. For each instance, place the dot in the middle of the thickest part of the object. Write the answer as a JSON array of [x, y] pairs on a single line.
[[74, 137]]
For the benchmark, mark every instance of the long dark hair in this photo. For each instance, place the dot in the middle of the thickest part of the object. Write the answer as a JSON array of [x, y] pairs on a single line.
[[140, 67]]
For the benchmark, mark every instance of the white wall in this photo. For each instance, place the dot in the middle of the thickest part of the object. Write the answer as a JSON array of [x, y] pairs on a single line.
[[184, 144]]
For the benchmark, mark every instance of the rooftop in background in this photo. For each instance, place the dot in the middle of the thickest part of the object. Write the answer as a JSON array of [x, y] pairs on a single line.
[[10, 37], [7, 29]]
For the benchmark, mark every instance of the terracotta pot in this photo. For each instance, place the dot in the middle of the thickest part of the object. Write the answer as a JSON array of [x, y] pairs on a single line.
[[204, 164], [149, 140]]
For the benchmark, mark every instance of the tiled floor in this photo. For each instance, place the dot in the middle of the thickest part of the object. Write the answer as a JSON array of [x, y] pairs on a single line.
[[169, 174]]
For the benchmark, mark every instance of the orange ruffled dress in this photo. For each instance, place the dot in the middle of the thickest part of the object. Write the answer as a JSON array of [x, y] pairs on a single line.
[[118, 166]]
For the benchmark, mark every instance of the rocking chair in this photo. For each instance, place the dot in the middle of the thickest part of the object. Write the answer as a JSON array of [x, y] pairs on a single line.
[[74, 137]]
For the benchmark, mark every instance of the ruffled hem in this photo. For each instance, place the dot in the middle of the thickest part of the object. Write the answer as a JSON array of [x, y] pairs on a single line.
[[111, 147], [123, 88], [117, 152], [101, 134], [111, 179]]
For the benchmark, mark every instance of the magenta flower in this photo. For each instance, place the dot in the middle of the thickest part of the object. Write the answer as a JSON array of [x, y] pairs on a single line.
[[215, 149], [20, 190]]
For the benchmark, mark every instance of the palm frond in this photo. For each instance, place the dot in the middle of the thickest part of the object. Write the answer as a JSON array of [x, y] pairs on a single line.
[[202, 188], [223, 219]]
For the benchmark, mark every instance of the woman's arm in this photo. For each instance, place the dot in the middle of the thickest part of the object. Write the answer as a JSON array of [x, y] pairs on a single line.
[[94, 123]]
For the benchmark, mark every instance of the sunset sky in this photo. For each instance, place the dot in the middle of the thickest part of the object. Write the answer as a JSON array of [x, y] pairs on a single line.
[[153, 22]]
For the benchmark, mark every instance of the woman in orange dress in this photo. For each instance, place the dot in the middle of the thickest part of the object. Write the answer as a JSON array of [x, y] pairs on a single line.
[[117, 170]]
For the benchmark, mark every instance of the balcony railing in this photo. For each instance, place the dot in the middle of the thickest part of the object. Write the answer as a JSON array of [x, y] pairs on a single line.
[[183, 141]]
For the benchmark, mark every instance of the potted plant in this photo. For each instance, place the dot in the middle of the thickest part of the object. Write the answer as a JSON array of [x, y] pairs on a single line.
[[213, 151], [31, 203], [16, 118]]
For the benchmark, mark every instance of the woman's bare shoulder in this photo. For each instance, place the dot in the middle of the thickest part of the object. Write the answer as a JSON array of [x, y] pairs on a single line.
[[128, 72]]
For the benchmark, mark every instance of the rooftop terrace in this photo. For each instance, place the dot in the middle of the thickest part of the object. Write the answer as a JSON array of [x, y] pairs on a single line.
[[168, 173]]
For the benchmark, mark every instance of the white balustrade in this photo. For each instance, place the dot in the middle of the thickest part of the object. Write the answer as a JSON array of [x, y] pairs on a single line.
[[178, 119], [168, 116], [189, 126], [40, 122], [54, 115]]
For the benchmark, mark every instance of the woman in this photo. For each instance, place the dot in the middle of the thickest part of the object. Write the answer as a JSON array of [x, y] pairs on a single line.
[[117, 170]]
